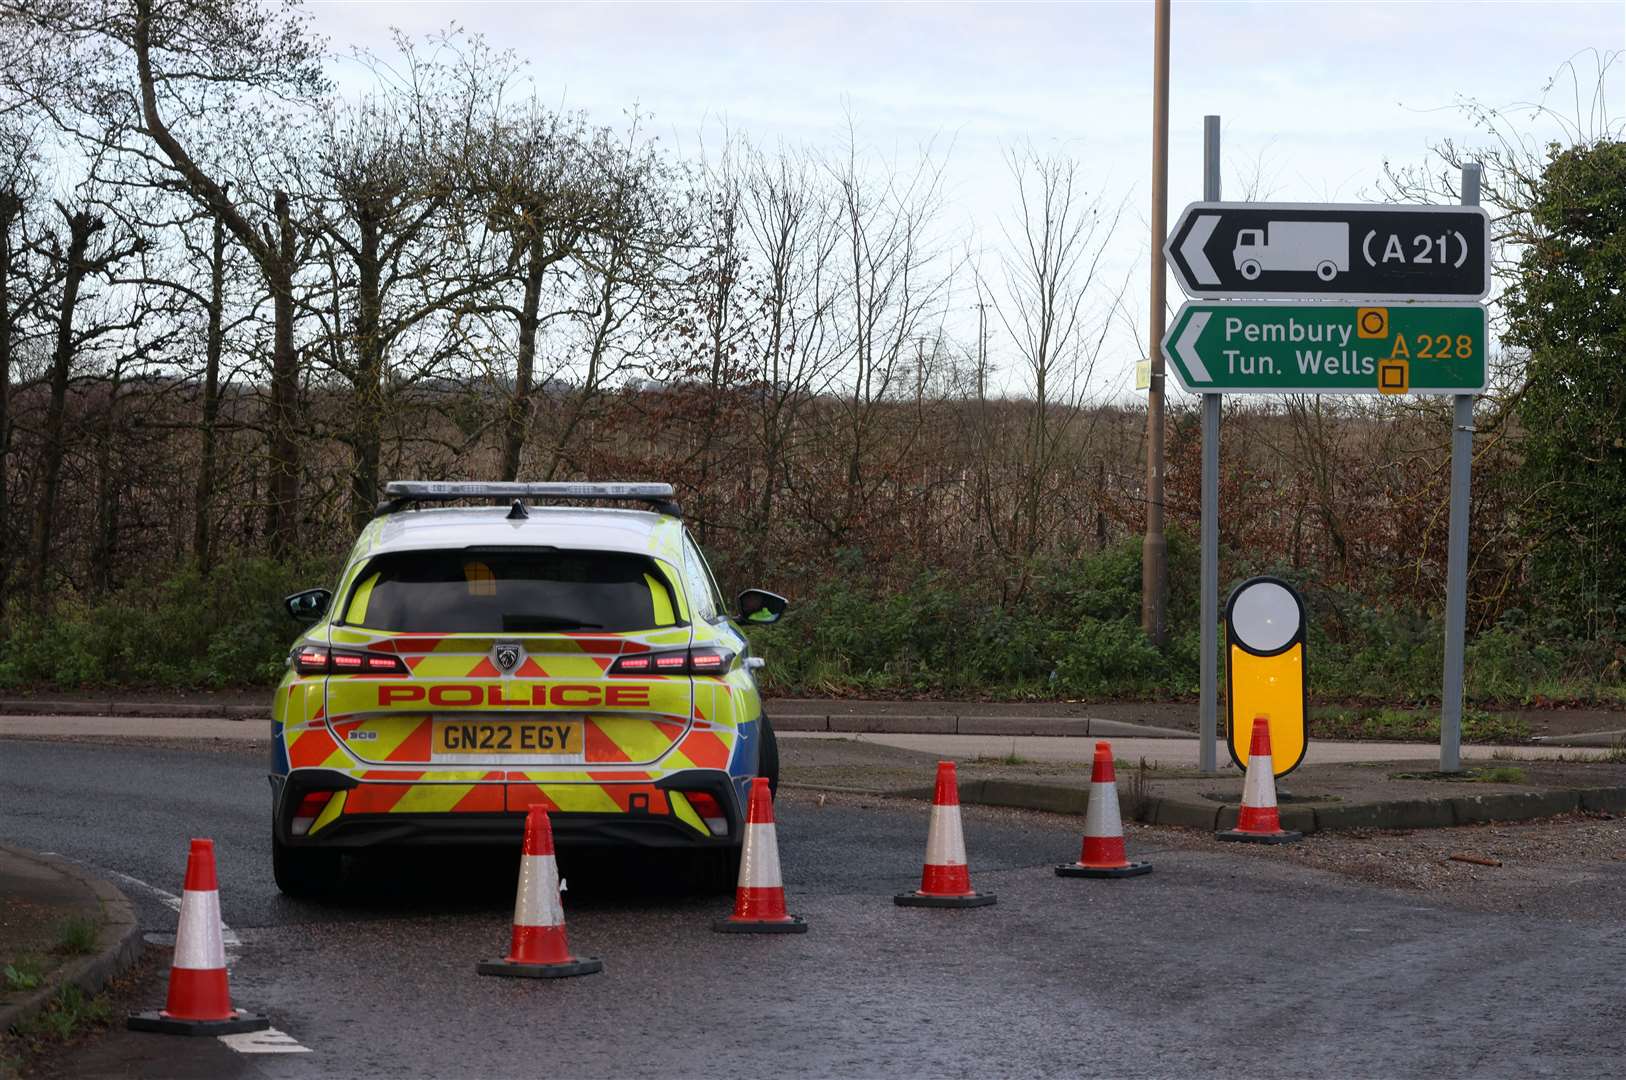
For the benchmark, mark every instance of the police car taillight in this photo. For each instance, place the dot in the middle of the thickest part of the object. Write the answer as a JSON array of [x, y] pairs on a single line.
[[686, 662], [315, 660], [710, 812], [309, 809]]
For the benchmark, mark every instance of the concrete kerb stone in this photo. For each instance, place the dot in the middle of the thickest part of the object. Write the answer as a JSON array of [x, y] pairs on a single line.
[[118, 943], [799, 722], [1024, 725], [944, 724], [30, 707], [1203, 814], [1391, 814], [1603, 800], [27, 707], [894, 725], [1585, 738], [1124, 729], [1513, 806], [1183, 813]]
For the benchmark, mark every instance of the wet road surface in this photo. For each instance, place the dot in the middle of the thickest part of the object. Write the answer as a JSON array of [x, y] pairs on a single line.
[[1214, 965]]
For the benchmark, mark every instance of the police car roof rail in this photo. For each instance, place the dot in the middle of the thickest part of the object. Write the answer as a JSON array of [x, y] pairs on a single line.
[[401, 494]]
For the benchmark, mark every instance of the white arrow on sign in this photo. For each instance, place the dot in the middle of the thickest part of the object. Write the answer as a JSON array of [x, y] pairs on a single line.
[[1185, 346], [1202, 271]]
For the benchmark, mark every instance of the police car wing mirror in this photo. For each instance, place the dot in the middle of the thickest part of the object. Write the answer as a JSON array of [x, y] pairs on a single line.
[[309, 605], [760, 606]]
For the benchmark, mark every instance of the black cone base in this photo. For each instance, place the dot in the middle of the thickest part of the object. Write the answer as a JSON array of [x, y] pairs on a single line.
[[919, 899], [1237, 835], [581, 965], [236, 1024], [1134, 869], [796, 925]]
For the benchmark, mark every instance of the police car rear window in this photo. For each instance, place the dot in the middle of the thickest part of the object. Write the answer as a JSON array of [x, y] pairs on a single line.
[[469, 592]]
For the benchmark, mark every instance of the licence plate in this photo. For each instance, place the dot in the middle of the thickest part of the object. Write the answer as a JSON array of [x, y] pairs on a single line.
[[484, 738]]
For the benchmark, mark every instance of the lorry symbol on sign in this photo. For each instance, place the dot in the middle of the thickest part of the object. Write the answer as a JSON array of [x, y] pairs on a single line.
[[1318, 246]]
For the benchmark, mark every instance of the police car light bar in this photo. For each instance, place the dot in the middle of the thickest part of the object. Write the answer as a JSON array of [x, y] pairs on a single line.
[[398, 494]]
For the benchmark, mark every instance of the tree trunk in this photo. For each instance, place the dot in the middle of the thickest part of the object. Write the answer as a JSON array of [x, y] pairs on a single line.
[[81, 226], [109, 489], [284, 479], [367, 424], [10, 211], [213, 346], [518, 424]]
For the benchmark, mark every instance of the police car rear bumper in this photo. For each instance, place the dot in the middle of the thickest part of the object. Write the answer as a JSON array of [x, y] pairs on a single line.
[[632, 828]]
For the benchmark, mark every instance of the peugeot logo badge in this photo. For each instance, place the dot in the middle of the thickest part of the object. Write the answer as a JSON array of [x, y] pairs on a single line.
[[507, 655]]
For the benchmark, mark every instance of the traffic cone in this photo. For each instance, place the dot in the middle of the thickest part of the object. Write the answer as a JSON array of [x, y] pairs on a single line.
[[759, 901], [538, 949], [199, 1000], [1103, 855], [946, 880], [1258, 822]]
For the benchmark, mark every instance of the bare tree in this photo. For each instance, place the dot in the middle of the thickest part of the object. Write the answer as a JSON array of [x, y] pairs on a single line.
[[75, 262], [894, 287], [626, 270], [390, 168], [537, 184], [788, 213], [1047, 302]]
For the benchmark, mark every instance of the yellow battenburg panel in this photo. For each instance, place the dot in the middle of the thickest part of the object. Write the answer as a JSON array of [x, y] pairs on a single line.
[[357, 615], [685, 813], [330, 813], [388, 733], [639, 739], [586, 798], [431, 798]]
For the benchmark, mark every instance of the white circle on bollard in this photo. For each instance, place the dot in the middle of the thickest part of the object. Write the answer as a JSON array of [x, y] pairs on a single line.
[[1265, 617]]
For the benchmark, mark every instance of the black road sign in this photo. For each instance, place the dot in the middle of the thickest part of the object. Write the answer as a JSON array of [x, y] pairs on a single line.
[[1316, 251]]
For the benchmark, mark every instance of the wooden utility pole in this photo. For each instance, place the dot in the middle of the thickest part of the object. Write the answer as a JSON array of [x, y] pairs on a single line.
[[1155, 549]]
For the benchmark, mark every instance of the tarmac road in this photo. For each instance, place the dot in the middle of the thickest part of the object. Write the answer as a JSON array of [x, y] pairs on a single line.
[[1214, 965]]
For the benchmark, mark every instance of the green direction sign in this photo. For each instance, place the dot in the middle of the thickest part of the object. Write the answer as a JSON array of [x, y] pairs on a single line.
[[1250, 348]]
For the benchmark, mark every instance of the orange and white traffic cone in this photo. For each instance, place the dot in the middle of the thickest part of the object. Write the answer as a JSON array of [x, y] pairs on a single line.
[[759, 901], [1258, 821], [538, 948], [1103, 855], [199, 1000], [946, 880]]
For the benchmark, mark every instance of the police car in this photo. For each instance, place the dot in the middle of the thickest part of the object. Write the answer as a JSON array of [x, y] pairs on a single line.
[[477, 660]]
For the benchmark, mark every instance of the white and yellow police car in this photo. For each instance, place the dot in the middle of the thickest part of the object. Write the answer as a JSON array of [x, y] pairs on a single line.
[[474, 661]]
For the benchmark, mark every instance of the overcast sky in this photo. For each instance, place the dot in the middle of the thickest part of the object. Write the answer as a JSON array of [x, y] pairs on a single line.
[[1314, 97]]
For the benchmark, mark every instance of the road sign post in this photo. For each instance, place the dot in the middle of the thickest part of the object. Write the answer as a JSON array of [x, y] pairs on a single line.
[[1208, 543], [1456, 572]]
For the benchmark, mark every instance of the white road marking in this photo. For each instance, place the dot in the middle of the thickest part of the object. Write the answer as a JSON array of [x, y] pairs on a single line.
[[269, 1041], [227, 935]]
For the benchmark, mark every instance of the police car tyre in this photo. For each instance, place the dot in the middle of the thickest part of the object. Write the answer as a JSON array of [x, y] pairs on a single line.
[[720, 870], [305, 873], [768, 757]]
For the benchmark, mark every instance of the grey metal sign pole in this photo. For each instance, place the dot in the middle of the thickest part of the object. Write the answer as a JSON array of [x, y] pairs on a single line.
[[1456, 574], [1208, 708]]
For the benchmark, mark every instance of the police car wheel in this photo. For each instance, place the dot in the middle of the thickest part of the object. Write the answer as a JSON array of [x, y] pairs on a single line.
[[720, 870], [768, 757], [304, 873]]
